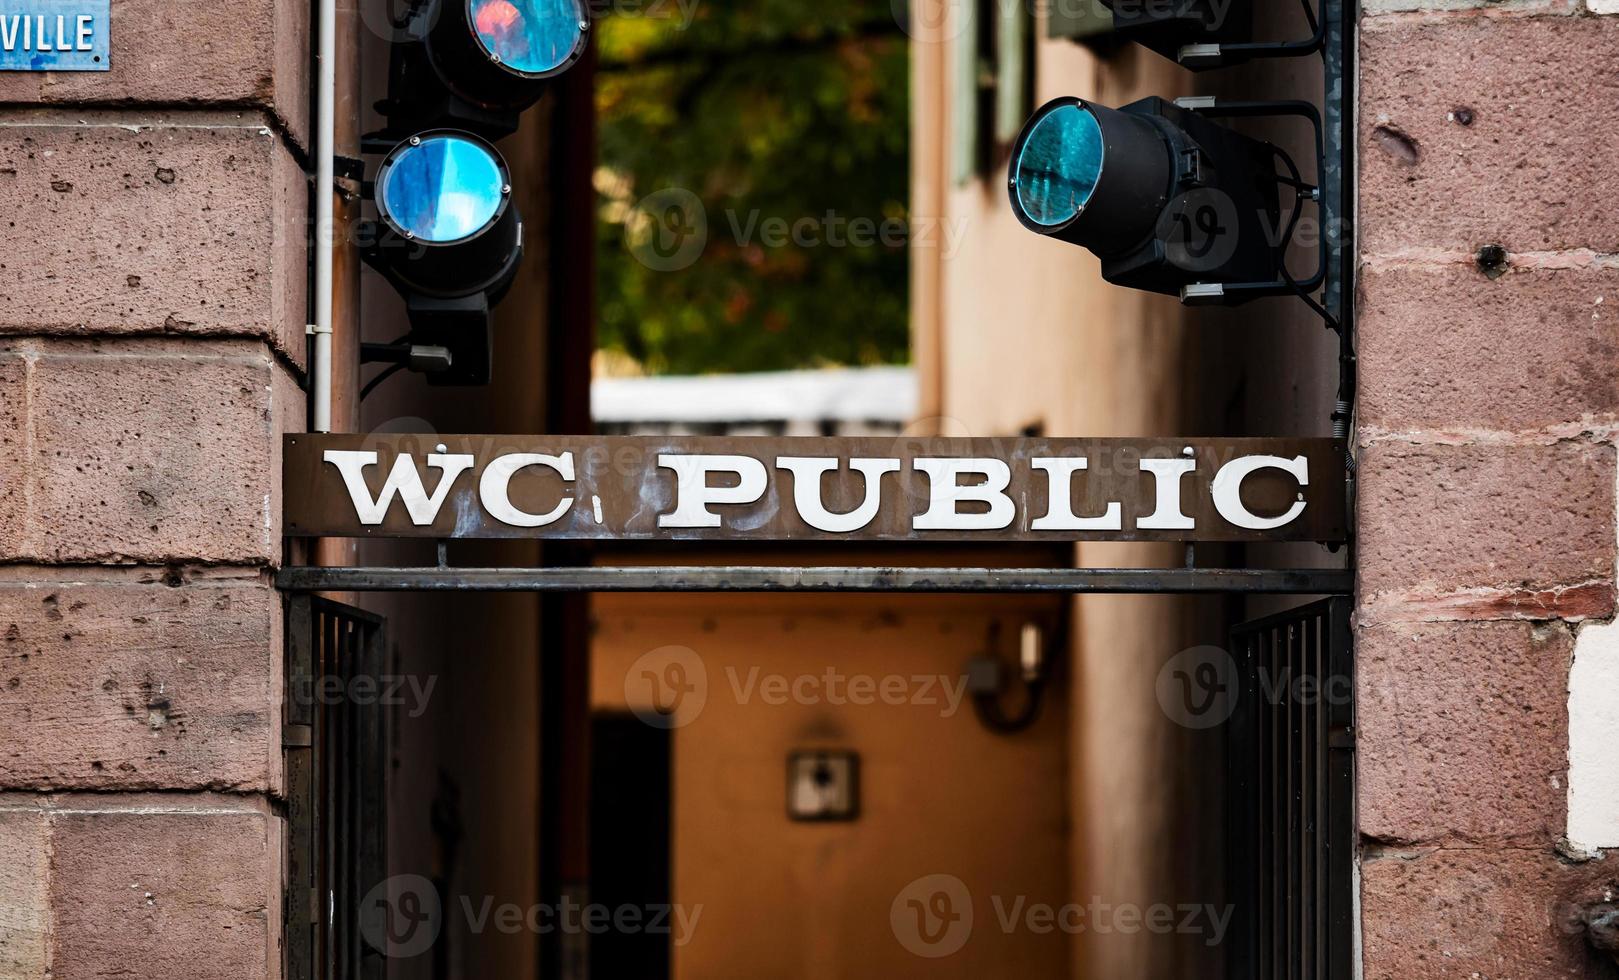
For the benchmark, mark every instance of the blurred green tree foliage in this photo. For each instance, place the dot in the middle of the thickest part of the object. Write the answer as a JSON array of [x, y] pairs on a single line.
[[789, 121]]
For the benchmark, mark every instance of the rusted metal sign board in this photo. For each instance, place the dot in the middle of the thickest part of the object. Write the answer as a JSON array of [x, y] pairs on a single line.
[[913, 489]]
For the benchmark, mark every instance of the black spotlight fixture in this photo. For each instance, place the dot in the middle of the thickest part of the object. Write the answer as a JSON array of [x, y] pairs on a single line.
[[477, 64], [447, 233], [1170, 200], [449, 239]]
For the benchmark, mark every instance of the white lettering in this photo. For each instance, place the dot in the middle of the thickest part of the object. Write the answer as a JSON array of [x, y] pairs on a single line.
[[494, 489], [807, 472], [693, 494], [947, 495], [8, 31], [1060, 499], [87, 28], [1167, 475], [1227, 490], [403, 480]]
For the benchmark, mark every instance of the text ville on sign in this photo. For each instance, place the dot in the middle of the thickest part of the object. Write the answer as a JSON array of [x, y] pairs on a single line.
[[686, 488], [55, 35]]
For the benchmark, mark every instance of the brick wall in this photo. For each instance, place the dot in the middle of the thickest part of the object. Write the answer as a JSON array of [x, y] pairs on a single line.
[[1489, 387], [152, 296]]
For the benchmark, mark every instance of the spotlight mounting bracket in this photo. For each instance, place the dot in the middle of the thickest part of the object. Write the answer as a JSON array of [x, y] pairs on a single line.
[[1221, 293], [1196, 36]]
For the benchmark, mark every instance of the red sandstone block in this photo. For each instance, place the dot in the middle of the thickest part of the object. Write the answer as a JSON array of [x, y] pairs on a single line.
[[13, 451], [248, 52], [1479, 912], [1437, 518], [24, 902], [153, 450], [185, 225], [165, 887], [1463, 730], [1448, 348], [124, 684], [1530, 167]]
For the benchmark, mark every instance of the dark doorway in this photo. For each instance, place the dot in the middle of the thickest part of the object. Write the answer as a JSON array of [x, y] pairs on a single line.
[[630, 799]]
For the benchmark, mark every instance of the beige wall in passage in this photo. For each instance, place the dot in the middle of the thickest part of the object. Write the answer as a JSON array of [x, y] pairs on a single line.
[[1015, 332], [941, 794]]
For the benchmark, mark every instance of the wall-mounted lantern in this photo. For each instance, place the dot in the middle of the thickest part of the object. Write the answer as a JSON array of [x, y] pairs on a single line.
[[986, 681]]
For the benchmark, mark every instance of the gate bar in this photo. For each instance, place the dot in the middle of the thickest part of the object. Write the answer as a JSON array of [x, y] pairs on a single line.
[[773, 578]]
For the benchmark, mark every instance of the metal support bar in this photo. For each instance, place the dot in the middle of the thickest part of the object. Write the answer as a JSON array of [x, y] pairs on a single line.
[[769, 578]]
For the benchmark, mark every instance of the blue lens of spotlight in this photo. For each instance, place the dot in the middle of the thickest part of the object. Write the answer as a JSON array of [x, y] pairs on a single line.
[[528, 36], [1059, 165], [442, 190]]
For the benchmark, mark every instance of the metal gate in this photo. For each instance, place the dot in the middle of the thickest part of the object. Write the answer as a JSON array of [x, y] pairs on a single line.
[[335, 744], [1290, 796]]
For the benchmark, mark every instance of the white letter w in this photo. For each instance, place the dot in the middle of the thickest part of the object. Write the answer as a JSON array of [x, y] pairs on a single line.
[[403, 480]]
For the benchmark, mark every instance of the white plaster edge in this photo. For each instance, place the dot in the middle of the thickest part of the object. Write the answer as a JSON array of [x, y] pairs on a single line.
[[1593, 738]]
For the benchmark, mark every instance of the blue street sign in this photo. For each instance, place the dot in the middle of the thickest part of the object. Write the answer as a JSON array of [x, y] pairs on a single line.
[[55, 35]]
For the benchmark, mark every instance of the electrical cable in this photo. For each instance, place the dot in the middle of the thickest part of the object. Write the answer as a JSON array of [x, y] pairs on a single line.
[[387, 373], [1302, 192]]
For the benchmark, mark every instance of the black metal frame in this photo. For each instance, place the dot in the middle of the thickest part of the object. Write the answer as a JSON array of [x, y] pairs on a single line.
[[336, 793], [1290, 796], [772, 578]]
